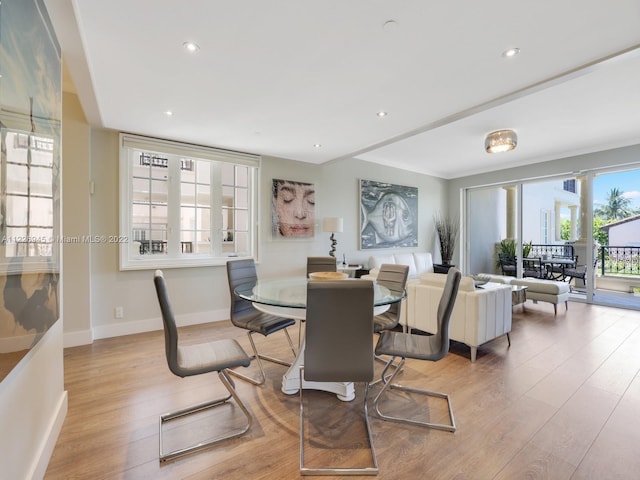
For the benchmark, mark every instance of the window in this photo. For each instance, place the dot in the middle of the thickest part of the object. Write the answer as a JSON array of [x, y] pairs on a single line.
[[27, 179], [569, 185], [184, 205], [545, 226]]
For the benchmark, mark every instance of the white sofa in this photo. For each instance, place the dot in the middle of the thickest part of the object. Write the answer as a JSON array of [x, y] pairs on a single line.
[[479, 314], [419, 263]]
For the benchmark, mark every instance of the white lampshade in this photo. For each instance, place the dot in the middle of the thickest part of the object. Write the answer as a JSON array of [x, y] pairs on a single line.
[[332, 224], [501, 141]]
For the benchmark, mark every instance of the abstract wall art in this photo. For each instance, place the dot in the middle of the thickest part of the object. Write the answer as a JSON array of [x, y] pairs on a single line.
[[388, 215]]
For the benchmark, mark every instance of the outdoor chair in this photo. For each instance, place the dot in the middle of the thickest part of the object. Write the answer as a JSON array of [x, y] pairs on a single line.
[[533, 268], [508, 265]]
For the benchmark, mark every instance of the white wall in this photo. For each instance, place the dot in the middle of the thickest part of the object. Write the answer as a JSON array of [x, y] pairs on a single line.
[[33, 405], [76, 281], [201, 294], [625, 234]]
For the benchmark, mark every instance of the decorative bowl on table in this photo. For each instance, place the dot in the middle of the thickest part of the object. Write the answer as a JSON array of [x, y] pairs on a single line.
[[328, 275], [479, 280]]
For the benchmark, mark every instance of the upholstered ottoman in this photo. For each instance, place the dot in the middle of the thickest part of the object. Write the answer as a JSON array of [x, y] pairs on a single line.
[[545, 291]]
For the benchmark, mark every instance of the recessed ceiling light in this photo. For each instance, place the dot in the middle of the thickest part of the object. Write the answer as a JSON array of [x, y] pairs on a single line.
[[512, 52], [168, 113], [382, 114], [390, 25], [191, 47], [317, 145]]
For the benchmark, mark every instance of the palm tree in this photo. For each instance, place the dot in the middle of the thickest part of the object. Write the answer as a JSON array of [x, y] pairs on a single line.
[[617, 207]]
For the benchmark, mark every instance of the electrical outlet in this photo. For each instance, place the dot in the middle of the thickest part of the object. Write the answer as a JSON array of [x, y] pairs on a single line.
[[118, 312]]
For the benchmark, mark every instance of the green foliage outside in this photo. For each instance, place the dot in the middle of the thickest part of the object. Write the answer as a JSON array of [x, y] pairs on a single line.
[[617, 208], [600, 236]]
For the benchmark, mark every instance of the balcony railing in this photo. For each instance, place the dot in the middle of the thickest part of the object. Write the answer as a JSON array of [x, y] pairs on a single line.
[[619, 260], [551, 250]]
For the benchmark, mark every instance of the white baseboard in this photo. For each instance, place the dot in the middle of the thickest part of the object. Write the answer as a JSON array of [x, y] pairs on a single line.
[[74, 339], [49, 443], [152, 324]]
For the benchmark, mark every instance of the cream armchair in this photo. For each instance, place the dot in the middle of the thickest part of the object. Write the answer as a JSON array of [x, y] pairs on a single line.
[[479, 315]]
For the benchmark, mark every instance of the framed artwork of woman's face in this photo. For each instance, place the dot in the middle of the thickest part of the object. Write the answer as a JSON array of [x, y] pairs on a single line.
[[293, 209]]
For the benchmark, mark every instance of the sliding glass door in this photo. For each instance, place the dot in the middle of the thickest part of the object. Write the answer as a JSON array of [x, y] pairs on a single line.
[[583, 229]]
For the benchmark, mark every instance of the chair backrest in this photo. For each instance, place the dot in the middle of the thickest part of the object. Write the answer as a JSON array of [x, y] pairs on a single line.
[[445, 307], [339, 329], [240, 272], [169, 322], [321, 264], [507, 264], [394, 277]]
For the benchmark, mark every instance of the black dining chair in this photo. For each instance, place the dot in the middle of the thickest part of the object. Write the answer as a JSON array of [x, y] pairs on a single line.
[[508, 265], [533, 268], [431, 348], [244, 315], [188, 360], [338, 349]]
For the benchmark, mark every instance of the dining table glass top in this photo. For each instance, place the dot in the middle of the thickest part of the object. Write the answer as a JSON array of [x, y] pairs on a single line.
[[291, 292]]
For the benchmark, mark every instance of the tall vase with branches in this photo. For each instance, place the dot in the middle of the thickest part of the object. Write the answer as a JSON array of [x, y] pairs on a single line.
[[447, 230]]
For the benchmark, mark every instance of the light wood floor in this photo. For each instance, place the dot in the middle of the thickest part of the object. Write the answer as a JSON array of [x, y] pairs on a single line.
[[562, 403]]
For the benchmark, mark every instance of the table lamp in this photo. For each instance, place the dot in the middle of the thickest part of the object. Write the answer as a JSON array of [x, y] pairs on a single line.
[[333, 225]]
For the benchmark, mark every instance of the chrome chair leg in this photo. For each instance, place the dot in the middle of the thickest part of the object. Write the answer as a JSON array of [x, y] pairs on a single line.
[[229, 385], [305, 471], [388, 383], [258, 357]]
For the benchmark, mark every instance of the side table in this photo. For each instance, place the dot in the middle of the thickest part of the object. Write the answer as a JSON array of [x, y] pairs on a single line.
[[350, 269], [518, 295]]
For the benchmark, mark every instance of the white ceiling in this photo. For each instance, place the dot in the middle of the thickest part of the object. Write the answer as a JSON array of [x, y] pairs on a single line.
[[276, 77]]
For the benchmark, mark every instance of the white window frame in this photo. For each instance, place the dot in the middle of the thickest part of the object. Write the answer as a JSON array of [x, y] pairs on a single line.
[[129, 259], [31, 261]]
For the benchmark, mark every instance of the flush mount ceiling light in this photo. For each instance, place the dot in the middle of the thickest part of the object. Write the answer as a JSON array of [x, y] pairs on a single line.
[[382, 114], [501, 141]]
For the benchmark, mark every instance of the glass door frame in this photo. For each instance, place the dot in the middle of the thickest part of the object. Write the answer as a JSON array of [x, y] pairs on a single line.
[[586, 215]]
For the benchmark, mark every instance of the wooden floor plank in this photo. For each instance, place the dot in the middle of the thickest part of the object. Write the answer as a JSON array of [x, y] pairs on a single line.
[[561, 402]]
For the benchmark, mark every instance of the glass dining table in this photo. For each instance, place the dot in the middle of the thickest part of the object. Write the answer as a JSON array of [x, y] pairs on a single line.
[[287, 297]]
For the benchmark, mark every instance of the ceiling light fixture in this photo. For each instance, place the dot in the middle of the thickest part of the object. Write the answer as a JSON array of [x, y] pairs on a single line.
[[168, 113], [317, 145], [501, 141], [191, 47], [382, 114], [512, 52]]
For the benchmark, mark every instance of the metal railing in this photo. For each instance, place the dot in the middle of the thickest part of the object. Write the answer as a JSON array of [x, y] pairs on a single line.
[[551, 250], [615, 260]]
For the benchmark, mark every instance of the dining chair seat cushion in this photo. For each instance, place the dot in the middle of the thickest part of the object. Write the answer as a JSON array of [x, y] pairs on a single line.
[[211, 356], [260, 322], [408, 345]]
